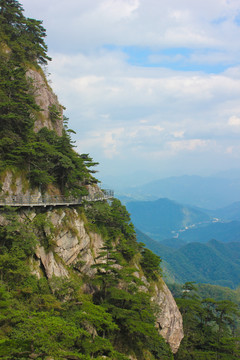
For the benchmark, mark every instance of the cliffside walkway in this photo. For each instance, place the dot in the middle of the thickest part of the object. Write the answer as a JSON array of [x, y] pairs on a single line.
[[48, 200]]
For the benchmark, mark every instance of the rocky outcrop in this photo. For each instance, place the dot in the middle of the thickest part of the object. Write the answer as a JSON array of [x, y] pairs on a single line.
[[51, 115], [169, 319], [52, 266], [16, 184], [73, 245]]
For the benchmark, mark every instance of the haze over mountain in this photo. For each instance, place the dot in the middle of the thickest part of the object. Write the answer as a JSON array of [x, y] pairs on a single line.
[[166, 219], [205, 192], [160, 218], [230, 212]]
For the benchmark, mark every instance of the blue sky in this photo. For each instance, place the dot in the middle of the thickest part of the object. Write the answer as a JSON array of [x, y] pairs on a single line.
[[151, 87], [179, 59]]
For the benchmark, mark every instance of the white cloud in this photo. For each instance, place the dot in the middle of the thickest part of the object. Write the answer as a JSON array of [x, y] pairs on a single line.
[[118, 9], [234, 121], [87, 24], [178, 134], [129, 113], [189, 145]]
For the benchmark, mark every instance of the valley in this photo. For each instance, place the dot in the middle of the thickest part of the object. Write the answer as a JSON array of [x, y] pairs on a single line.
[[194, 244]]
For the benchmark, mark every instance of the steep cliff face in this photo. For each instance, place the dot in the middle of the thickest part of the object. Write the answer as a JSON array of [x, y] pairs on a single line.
[[74, 246], [169, 320], [51, 115]]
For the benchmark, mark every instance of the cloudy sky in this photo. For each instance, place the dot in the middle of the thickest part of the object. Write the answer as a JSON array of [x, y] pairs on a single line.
[[152, 87]]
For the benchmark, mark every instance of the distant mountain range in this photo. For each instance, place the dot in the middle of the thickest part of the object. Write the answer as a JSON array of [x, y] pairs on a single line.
[[214, 262], [165, 219], [205, 192], [227, 213], [194, 245], [160, 218]]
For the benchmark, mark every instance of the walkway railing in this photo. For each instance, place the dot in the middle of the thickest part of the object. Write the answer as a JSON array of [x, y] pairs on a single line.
[[50, 200]]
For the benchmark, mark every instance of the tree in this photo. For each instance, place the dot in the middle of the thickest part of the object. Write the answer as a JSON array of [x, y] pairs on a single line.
[[209, 327], [150, 263]]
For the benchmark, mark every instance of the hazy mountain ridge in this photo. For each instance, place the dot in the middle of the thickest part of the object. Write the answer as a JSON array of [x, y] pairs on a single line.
[[165, 219], [227, 213], [210, 192], [160, 218]]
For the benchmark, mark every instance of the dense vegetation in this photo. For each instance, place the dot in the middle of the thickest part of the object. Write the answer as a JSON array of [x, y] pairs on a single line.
[[44, 156], [211, 327], [205, 291]]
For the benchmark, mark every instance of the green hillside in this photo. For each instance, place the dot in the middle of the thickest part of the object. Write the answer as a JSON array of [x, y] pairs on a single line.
[[214, 262]]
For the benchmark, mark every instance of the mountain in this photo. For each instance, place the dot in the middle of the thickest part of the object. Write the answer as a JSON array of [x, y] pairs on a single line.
[[160, 218], [205, 192], [174, 224], [214, 262], [75, 284], [222, 231], [227, 213]]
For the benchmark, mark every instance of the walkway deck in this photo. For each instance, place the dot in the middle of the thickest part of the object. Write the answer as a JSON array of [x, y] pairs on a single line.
[[33, 201]]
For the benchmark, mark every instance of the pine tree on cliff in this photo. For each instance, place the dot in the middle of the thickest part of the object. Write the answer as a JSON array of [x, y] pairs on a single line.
[[45, 157]]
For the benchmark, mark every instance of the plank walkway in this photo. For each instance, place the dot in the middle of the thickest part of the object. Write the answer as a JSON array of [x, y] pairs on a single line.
[[33, 201]]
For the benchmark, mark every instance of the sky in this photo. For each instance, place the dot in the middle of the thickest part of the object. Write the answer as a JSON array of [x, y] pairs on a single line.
[[151, 87]]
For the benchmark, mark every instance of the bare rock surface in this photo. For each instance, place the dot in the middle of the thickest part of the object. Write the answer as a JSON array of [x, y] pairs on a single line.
[[51, 266], [17, 185], [169, 319], [73, 245], [46, 100]]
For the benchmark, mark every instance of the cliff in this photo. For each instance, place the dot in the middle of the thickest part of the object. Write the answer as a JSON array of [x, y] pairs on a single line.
[[74, 245], [75, 284], [48, 103]]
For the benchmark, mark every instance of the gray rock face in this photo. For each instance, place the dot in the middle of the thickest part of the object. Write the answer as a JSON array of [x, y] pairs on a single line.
[[73, 245], [51, 266], [46, 100], [169, 319], [18, 186]]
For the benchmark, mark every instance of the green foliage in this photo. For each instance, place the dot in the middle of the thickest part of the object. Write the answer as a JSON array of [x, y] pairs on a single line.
[[23, 35], [131, 309], [113, 221], [17, 241], [45, 157], [150, 263], [211, 328], [45, 230]]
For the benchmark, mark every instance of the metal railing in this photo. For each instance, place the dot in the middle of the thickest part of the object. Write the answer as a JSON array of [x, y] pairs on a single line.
[[52, 200]]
